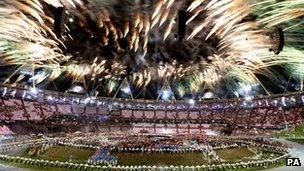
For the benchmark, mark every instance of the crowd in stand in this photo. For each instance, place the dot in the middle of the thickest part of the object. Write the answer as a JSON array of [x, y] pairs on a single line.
[[4, 130], [268, 113], [166, 127], [28, 128]]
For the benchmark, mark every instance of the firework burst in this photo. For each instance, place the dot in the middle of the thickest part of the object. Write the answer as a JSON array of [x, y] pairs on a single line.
[[226, 40]]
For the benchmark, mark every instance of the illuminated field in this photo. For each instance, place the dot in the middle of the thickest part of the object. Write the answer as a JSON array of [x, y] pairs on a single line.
[[78, 155], [161, 159], [234, 154], [62, 153]]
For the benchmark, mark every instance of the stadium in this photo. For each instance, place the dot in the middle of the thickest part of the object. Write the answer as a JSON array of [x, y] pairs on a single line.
[[151, 85]]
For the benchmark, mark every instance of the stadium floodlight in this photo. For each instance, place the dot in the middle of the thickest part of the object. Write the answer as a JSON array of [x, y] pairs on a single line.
[[13, 93], [191, 101], [293, 99], [71, 20], [166, 131], [244, 89], [34, 90], [208, 95], [126, 90], [77, 89], [23, 94], [166, 94], [283, 101], [247, 88], [4, 91], [248, 98], [50, 98], [90, 99], [40, 75], [86, 100], [236, 94]]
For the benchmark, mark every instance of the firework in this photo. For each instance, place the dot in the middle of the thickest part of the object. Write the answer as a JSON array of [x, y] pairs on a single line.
[[237, 45], [26, 42], [169, 28], [283, 12]]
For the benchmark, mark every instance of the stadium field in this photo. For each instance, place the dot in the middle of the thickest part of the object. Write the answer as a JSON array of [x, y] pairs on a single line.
[[234, 154]]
